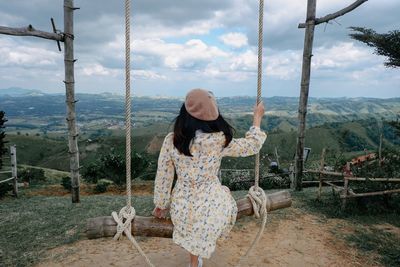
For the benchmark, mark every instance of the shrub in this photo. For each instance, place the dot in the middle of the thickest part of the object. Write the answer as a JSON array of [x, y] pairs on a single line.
[[4, 188], [102, 185], [66, 183], [112, 167], [32, 175], [92, 172]]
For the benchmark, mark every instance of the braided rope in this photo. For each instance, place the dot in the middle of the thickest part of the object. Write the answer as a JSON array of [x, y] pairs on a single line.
[[127, 214], [259, 80], [128, 99], [256, 194]]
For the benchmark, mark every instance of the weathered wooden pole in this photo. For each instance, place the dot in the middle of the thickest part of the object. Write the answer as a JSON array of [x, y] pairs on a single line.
[[304, 88], [70, 97], [150, 226], [30, 31], [68, 38], [310, 23], [13, 154]]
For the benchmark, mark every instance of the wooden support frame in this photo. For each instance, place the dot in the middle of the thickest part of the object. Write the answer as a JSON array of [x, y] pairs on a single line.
[[309, 25], [30, 31], [68, 38], [153, 227]]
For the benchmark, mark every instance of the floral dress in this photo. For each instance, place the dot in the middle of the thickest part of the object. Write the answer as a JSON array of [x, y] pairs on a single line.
[[201, 209]]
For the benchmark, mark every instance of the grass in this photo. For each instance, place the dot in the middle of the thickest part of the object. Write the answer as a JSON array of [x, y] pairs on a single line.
[[30, 226], [374, 240], [365, 219]]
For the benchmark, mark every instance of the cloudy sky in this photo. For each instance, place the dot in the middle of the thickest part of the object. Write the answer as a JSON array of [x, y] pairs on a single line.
[[178, 45]]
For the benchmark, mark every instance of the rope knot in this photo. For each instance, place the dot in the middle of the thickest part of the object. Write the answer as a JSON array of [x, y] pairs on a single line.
[[258, 200], [123, 220]]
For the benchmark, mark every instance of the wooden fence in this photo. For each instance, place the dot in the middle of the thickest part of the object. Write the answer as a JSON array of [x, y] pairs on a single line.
[[13, 171], [345, 192]]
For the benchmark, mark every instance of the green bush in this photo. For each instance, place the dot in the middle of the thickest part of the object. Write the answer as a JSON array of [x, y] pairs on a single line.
[[112, 167], [102, 185], [66, 183], [92, 172], [32, 175], [4, 188]]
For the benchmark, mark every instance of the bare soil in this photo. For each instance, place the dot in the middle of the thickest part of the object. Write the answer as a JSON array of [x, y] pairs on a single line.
[[297, 240]]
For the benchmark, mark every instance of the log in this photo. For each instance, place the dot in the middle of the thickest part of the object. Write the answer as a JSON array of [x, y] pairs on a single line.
[[390, 180], [105, 226], [385, 192]]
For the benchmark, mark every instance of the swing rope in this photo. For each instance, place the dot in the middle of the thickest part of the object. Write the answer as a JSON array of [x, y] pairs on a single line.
[[256, 194], [127, 214]]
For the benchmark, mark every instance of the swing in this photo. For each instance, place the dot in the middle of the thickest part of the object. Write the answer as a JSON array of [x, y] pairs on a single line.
[[256, 203]]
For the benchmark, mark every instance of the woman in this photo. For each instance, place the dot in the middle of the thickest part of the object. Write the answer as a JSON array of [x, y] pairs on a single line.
[[202, 210]]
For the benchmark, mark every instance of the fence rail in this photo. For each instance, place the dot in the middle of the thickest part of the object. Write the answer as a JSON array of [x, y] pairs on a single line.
[[6, 180]]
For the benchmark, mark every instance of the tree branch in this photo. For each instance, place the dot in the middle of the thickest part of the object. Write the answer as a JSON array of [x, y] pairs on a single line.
[[336, 14], [30, 31]]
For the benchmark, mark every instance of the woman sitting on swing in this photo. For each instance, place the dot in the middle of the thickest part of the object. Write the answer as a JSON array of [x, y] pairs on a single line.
[[201, 209]]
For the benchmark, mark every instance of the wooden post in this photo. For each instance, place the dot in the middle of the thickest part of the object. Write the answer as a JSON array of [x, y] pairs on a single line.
[[311, 21], [305, 84], [321, 176], [277, 157], [380, 150], [346, 188], [291, 176], [13, 154], [70, 97]]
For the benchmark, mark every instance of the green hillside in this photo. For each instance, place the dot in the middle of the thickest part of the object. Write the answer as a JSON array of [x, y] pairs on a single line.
[[338, 137]]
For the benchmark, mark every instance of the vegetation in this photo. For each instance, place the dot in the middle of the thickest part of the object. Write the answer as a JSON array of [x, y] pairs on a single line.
[[385, 44], [32, 175], [369, 232], [4, 188], [102, 185], [66, 183], [112, 167]]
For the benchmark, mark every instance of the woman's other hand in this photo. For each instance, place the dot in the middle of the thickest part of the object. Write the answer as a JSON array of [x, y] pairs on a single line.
[[160, 213], [259, 111]]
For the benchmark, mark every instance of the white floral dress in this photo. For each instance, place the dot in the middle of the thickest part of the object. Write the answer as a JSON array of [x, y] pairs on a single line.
[[201, 209]]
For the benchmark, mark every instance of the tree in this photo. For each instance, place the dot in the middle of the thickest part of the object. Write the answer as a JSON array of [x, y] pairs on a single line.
[[385, 44], [3, 148]]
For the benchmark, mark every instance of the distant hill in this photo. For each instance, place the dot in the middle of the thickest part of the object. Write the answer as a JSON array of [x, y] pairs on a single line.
[[36, 103], [18, 92]]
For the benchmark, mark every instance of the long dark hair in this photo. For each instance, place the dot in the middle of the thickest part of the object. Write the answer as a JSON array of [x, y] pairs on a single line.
[[186, 125]]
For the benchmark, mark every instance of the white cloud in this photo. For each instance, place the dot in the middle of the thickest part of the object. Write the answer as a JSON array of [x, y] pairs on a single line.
[[14, 54], [147, 75], [97, 69], [234, 39], [172, 55], [342, 54]]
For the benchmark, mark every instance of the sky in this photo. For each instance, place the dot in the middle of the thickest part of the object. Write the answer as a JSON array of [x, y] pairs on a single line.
[[212, 44]]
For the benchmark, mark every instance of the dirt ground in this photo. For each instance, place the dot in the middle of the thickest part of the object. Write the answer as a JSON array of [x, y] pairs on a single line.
[[298, 240]]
